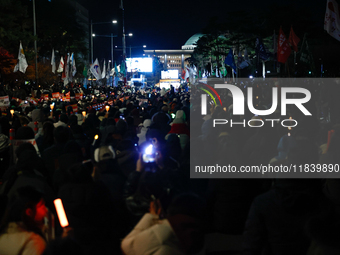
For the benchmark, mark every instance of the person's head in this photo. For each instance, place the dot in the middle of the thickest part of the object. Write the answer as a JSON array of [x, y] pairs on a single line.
[[186, 214], [27, 206], [63, 118], [61, 134], [24, 133], [48, 129]]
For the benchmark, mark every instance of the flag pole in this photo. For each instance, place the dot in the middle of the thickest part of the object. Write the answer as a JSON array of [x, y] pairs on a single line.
[[35, 44]]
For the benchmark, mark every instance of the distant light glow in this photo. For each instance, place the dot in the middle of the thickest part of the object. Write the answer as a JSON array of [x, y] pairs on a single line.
[[251, 77], [130, 34], [93, 35], [144, 46], [114, 21]]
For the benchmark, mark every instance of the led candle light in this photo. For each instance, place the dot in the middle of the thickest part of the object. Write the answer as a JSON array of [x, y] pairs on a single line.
[[61, 212], [12, 112], [95, 139], [84, 113], [107, 108], [52, 106]]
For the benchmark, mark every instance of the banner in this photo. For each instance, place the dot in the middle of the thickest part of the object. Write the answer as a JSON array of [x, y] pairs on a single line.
[[74, 108], [4, 101], [32, 100], [45, 97], [55, 95], [67, 97], [79, 96]]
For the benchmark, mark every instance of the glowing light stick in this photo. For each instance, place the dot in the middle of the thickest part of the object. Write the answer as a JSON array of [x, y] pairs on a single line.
[[61, 212]]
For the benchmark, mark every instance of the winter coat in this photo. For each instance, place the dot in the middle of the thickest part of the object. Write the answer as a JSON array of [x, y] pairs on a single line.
[[151, 236], [16, 240]]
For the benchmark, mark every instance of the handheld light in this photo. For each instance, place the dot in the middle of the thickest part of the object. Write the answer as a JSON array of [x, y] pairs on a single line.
[[61, 212]]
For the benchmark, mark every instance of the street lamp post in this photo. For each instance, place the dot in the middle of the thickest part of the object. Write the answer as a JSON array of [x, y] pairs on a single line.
[[92, 34]]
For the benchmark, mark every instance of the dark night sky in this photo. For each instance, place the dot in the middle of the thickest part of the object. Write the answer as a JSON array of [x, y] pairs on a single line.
[[168, 24]]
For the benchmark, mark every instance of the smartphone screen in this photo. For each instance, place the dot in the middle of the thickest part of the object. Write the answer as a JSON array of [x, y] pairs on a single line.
[[149, 154]]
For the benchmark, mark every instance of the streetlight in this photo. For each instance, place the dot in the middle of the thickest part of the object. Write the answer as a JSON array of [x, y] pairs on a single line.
[[93, 35], [111, 36]]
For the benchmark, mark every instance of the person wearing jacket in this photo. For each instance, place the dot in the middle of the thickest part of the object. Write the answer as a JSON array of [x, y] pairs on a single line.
[[20, 231], [179, 233]]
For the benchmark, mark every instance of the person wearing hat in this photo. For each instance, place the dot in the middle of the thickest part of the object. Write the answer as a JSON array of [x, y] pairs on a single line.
[[180, 128]]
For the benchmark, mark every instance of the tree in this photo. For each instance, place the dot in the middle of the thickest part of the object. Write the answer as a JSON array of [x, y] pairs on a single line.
[[57, 28]]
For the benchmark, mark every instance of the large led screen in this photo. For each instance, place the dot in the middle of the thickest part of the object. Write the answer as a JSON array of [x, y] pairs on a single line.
[[169, 74], [139, 64]]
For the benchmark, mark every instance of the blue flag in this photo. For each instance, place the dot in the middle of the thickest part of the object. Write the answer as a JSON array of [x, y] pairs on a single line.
[[230, 61], [261, 49]]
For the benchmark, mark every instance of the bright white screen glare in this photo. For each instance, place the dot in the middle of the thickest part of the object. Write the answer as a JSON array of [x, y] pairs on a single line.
[[149, 149], [170, 74], [139, 64]]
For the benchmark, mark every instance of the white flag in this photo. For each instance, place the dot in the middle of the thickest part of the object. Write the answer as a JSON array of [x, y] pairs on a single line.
[[104, 70], [74, 68], [61, 65], [53, 62], [108, 71], [22, 63], [95, 69], [332, 20], [67, 68]]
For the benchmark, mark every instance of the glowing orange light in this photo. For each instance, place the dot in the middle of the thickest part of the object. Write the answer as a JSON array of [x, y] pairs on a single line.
[[61, 212], [107, 108]]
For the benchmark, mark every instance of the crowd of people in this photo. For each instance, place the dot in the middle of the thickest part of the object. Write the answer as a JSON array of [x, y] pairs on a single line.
[[119, 160]]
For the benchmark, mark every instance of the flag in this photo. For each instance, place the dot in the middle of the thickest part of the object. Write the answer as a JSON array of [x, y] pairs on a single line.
[[95, 69], [73, 67], [183, 74], [67, 68], [85, 71], [104, 70], [261, 50], [230, 61], [332, 20], [22, 63], [61, 65], [293, 40], [283, 50], [53, 62], [116, 69], [186, 74], [122, 68], [239, 58], [246, 57], [306, 56], [108, 71], [241, 62], [224, 70]]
